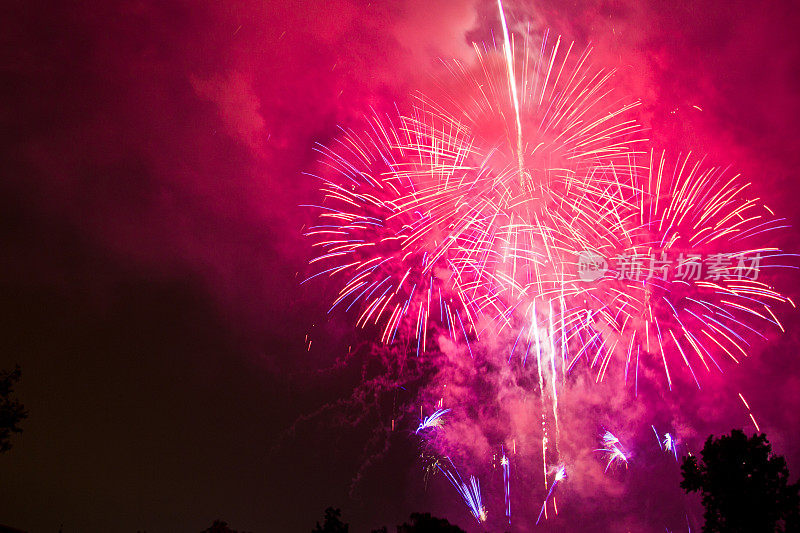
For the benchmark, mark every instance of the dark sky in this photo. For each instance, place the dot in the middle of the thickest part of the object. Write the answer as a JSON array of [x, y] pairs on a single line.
[[152, 172]]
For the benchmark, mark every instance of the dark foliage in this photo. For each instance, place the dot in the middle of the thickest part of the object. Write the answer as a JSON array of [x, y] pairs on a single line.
[[745, 488], [425, 523], [420, 523], [220, 526], [11, 411], [333, 522]]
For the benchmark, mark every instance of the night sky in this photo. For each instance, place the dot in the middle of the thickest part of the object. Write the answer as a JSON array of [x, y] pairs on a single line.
[[153, 158]]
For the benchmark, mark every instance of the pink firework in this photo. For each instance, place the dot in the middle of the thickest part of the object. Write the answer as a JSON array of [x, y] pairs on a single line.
[[514, 202], [455, 214], [688, 279]]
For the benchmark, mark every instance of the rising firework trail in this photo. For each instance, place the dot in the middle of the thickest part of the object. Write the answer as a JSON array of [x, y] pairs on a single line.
[[512, 82], [561, 474], [506, 464]]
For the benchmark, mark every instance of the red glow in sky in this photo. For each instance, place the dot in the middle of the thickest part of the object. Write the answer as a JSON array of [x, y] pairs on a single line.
[[153, 160]]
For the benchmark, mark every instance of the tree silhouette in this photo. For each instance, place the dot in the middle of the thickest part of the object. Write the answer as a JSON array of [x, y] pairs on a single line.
[[219, 526], [420, 523], [11, 411], [333, 522], [745, 488], [425, 523]]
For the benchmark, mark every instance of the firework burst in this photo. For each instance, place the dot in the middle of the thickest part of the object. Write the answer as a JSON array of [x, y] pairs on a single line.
[[689, 280], [469, 214], [451, 213]]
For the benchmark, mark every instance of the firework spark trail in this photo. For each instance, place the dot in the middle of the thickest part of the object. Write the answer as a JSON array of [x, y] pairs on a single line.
[[433, 421], [561, 474], [614, 449], [506, 464], [547, 392], [666, 443], [749, 412], [471, 493], [670, 445], [553, 378], [535, 331], [658, 438], [512, 82]]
